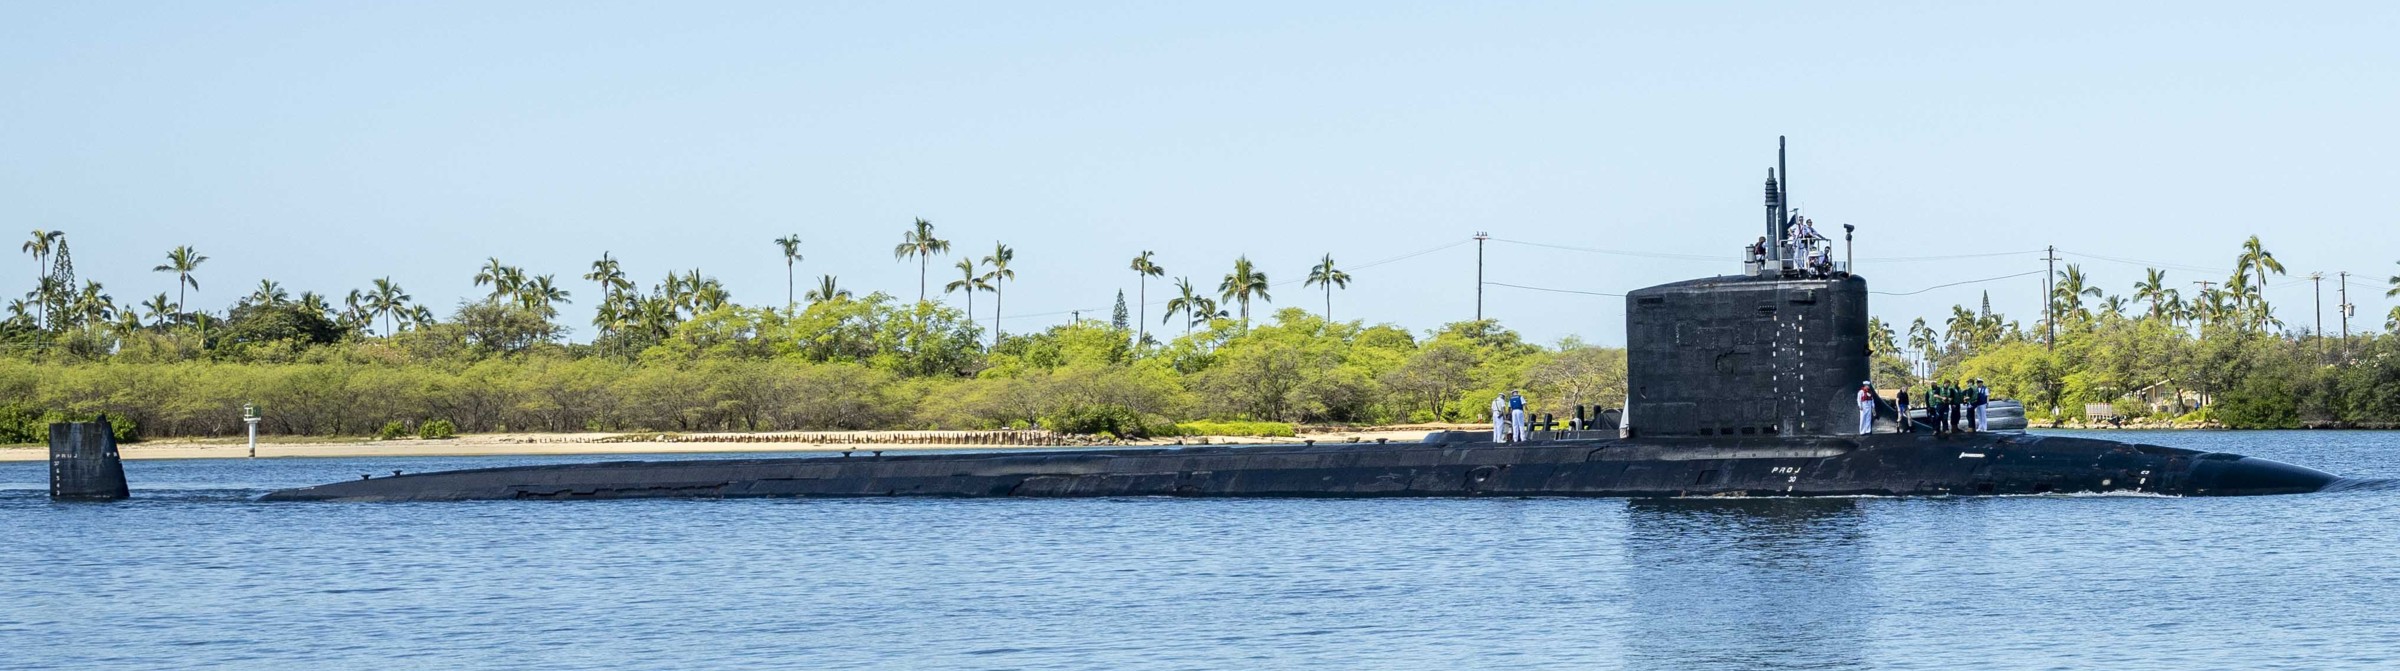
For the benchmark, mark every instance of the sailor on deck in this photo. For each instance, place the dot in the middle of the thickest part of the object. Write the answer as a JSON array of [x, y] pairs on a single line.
[[1500, 418], [1516, 415], [1798, 236], [1866, 408], [1982, 397], [1901, 403]]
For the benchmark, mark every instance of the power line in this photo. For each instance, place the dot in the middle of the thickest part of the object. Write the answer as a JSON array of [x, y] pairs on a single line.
[[2142, 263], [1953, 284], [1560, 291], [1163, 301], [1616, 252], [1952, 257]]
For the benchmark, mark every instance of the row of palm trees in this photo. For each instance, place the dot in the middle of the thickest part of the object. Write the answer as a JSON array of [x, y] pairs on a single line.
[[679, 296], [2238, 301]]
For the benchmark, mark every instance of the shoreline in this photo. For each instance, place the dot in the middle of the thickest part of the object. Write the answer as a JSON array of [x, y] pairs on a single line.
[[549, 444], [603, 444]]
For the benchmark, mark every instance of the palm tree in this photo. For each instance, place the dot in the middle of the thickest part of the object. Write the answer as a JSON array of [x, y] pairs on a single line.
[[387, 300], [1962, 327], [1144, 269], [2395, 290], [610, 275], [2068, 294], [1328, 276], [968, 282], [1879, 337], [827, 289], [673, 292], [506, 280], [1190, 302], [1242, 285], [920, 244], [2210, 305], [999, 273], [158, 309], [128, 321], [40, 247], [2154, 291], [539, 294], [355, 315], [314, 303], [710, 297], [92, 306], [182, 261], [1922, 339], [2241, 298], [791, 256], [2256, 261], [2115, 305], [268, 293]]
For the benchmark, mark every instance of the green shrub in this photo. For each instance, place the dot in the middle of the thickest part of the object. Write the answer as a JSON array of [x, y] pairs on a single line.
[[24, 425], [392, 430], [1208, 428], [1109, 419], [124, 428], [437, 430]]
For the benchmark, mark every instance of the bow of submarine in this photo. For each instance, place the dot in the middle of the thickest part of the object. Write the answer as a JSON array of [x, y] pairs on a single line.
[[2221, 474]]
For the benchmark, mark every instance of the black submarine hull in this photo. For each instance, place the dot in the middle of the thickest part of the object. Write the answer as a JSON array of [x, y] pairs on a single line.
[[1874, 465]]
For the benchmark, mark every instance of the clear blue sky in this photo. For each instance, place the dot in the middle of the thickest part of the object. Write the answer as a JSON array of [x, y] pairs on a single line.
[[326, 144]]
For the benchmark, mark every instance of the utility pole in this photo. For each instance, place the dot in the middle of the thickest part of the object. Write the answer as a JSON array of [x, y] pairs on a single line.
[[2049, 301], [2344, 308], [2317, 287], [1480, 236]]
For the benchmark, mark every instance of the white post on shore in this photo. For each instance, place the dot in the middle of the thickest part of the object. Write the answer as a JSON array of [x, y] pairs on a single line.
[[250, 417]]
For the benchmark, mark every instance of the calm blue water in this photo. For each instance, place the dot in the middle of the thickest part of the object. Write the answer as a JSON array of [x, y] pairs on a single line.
[[192, 574]]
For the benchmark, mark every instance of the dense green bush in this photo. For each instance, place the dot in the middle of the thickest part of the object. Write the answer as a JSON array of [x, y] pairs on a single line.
[[392, 430], [1208, 428], [21, 425], [437, 430], [1114, 420]]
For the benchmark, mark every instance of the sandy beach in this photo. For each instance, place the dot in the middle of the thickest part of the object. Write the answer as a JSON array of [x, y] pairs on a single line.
[[505, 444]]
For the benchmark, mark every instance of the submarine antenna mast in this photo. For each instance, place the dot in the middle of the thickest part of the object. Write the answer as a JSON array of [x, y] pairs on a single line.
[[1784, 197], [1774, 223]]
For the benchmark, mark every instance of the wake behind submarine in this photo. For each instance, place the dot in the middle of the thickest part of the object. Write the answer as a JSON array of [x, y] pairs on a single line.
[[1738, 386]]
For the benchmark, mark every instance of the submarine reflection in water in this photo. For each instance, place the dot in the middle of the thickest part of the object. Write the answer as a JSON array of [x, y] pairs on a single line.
[[1737, 385], [1701, 574]]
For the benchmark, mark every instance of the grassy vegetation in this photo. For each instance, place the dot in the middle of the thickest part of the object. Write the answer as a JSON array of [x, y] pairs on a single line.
[[1208, 428]]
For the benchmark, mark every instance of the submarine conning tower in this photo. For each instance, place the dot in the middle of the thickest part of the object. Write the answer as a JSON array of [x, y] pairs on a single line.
[[1746, 355], [1778, 350]]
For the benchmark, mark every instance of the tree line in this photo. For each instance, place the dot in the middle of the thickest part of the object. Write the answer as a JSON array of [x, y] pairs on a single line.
[[2221, 354], [683, 355]]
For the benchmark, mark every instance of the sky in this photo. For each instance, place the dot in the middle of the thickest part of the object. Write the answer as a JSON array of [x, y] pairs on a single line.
[[326, 144]]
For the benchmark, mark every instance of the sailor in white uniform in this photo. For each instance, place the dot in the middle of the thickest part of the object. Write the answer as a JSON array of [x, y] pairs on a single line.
[[1499, 418], [1516, 416], [1866, 408], [1982, 397]]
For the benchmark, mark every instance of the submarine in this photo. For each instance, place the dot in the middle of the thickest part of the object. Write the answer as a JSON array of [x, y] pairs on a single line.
[[1738, 385]]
